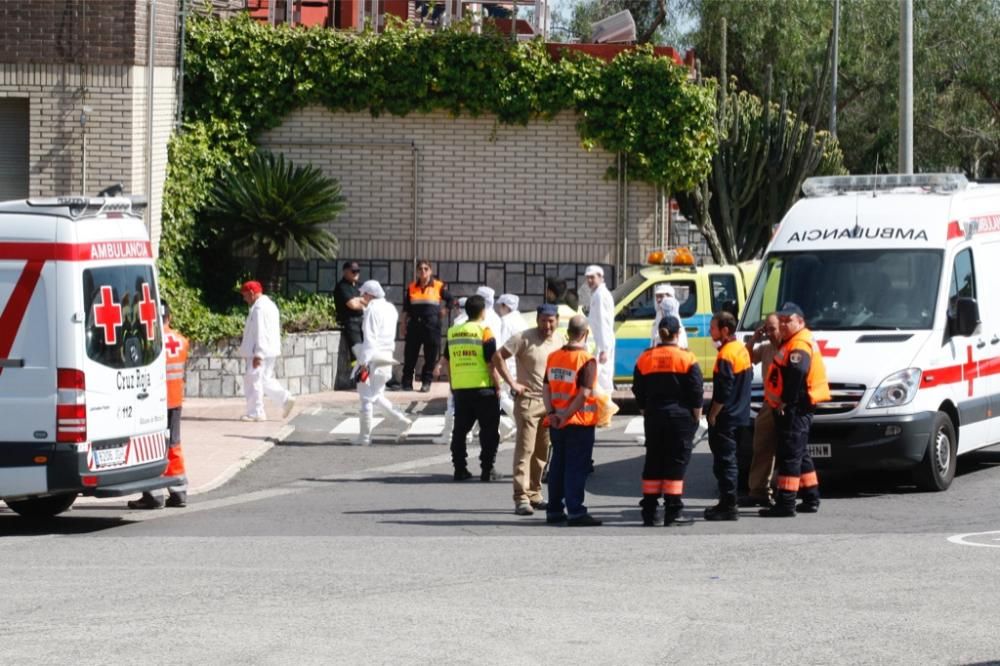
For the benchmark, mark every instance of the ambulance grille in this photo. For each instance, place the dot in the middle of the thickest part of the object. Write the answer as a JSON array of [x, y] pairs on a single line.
[[844, 398]]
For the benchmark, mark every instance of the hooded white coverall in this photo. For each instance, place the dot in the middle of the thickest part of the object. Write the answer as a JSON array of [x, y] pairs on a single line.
[[262, 339], [602, 328], [378, 326], [668, 307]]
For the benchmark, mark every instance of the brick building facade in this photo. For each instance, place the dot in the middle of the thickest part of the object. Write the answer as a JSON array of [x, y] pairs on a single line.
[[75, 90], [488, 203]]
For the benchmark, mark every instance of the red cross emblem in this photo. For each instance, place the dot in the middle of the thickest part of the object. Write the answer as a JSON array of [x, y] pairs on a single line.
[[147, 312], [108, 315], [970, 370], [172, 344], [827, 351]]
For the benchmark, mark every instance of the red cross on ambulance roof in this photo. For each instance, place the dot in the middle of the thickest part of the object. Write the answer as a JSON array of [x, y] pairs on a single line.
[[108, 315], [147, 312]]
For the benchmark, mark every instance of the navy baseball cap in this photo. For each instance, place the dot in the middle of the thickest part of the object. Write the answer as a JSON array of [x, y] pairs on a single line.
[[671, 323], [547, 310], [789, 309]]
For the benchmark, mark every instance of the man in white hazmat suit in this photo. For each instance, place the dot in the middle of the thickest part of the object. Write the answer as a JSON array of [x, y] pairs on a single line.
[[261, 348], [601, 319], [375, 360], [511, 323], [495, 324], [667, 306]]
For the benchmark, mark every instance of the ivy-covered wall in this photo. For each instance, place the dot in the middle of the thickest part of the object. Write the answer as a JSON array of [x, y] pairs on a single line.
[[243, 78]]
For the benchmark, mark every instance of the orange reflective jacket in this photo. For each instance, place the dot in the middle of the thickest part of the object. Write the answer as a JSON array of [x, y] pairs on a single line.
[[177, 353], [816, 384], [429, 295], [561, 370]]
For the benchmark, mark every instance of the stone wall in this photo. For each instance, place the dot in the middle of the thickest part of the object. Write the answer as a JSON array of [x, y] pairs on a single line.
[[307, 365]]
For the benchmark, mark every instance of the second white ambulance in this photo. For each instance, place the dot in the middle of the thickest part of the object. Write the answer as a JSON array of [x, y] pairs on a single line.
[[899, 279], [82, 371]]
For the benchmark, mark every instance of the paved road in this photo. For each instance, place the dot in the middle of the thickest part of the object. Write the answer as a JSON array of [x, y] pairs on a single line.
[[323, 552]]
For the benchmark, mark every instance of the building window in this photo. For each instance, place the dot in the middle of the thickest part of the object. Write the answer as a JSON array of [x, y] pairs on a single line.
[[14, 149]]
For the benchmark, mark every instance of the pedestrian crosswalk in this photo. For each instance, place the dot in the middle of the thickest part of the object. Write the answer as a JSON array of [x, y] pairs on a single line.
[[426, 427]]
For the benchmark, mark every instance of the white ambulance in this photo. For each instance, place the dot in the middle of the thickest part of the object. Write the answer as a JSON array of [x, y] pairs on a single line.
[[82, 373], [899, 279]]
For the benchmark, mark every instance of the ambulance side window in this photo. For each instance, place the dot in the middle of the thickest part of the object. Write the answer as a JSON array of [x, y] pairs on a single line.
[[122, 316], [723, 290], [963, 278]]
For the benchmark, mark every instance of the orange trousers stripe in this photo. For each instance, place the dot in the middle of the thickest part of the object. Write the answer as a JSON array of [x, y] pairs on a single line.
[[809, 479], [175, 461], [788, 483], [651, 486], [673, 487]]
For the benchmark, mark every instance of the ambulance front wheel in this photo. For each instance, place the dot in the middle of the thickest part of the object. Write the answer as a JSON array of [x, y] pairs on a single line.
[[42, 507], [937, 470]]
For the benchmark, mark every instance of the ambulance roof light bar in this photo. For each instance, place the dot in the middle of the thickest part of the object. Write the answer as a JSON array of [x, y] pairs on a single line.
[[943, 183], [79, 206], [680, 256]]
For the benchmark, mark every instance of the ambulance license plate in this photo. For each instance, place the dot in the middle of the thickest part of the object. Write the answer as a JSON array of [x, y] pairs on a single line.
[[819, 450], [109, 457]]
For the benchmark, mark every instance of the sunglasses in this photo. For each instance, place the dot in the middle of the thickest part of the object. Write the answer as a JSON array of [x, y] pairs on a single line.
[[354, 270]]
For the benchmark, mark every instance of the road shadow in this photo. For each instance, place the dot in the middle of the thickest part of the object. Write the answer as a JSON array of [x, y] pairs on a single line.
[[12, 525], [406, 479]]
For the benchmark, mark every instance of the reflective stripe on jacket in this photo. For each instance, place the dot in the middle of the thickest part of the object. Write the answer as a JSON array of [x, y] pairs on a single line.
[[466, 359]]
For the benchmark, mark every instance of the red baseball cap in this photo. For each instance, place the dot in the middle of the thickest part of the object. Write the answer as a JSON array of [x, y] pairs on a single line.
[[253, 287]]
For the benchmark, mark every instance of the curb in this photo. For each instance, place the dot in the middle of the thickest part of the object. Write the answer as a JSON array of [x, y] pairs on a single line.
[[245, 461]]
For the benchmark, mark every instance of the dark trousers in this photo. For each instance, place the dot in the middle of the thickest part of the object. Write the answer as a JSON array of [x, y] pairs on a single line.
[[722, 442], [350, 335], [473, 405], [669, 440], [426, 335], [796, 470], [569, 465]]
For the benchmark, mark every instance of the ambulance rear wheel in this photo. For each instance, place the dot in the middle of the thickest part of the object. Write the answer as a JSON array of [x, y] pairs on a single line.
[[936, 471], [42, 507]]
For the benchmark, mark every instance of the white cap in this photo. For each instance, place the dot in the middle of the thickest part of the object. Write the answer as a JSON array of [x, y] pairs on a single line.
[[372, 287], [461, 301], [594, 269], [664, 288], [510, 300], [487, 294]]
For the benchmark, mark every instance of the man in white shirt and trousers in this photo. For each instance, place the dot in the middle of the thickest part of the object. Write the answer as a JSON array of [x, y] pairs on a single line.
[[375, 361], [261, 348], [602, 327]]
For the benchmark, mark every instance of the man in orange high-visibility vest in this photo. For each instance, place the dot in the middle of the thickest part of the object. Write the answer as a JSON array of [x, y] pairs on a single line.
[[570, 376], [794, 385], [176, 346]]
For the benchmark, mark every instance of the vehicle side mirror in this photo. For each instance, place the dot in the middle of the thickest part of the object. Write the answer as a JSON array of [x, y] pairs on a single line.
[[965, 318]]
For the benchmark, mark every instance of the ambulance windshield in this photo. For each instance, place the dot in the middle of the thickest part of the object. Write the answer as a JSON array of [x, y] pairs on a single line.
[[850, 289]]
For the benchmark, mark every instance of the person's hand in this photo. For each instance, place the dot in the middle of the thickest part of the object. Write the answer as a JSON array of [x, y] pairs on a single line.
[[554, 420], [437, 371], [518, 389], [711, 420], [256, 361], [602, 357]]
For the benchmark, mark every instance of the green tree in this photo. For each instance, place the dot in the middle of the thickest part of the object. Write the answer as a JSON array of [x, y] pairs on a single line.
[[652, 17], [273, 208], [956, 73]]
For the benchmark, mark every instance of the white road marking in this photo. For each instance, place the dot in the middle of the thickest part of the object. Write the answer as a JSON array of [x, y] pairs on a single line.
[[634, 426], [962, 539], [352, 426], [427, 425], [208, 505]]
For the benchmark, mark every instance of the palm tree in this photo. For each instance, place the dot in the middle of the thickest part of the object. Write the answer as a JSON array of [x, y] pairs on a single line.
[[274, 207]]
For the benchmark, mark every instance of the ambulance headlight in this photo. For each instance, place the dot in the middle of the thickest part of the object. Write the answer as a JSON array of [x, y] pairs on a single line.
[[897, 389]]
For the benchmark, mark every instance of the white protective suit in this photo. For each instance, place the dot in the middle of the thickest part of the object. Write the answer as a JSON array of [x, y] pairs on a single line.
[[378, 326], [602, 329], [492, 322], [262, 339], [668, 307]]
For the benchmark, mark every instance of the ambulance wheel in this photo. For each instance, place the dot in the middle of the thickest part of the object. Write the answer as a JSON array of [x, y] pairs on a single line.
[[42, 507], [936, 471]]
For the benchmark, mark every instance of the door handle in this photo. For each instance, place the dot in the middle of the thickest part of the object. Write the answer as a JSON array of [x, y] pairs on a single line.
[[995, 340], [143, 395], [980, 344]]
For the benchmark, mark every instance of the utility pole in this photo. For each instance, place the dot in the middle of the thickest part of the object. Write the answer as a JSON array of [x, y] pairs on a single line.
[[833, 70], [905, 86]]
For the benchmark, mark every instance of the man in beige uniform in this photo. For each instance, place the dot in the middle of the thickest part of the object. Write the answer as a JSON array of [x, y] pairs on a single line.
[[763, 345], [530, 350]]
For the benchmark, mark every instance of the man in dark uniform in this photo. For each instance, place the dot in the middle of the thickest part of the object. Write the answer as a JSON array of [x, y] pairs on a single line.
[[667, 384], [425, 304], [730, 409], [350, 311], [794, 385]]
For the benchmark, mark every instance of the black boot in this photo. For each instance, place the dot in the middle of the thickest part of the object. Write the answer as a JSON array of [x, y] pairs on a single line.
[[649, 504], [673, 513], [784, 506], [725, 510]]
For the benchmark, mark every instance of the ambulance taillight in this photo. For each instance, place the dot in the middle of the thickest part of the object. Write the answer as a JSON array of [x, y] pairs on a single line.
[[71, 406]]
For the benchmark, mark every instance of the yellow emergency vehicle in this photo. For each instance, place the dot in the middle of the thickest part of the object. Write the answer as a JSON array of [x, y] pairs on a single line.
[[700, 291]]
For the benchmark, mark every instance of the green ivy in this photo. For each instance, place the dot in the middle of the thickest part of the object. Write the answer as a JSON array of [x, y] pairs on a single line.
[[243, 77]]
